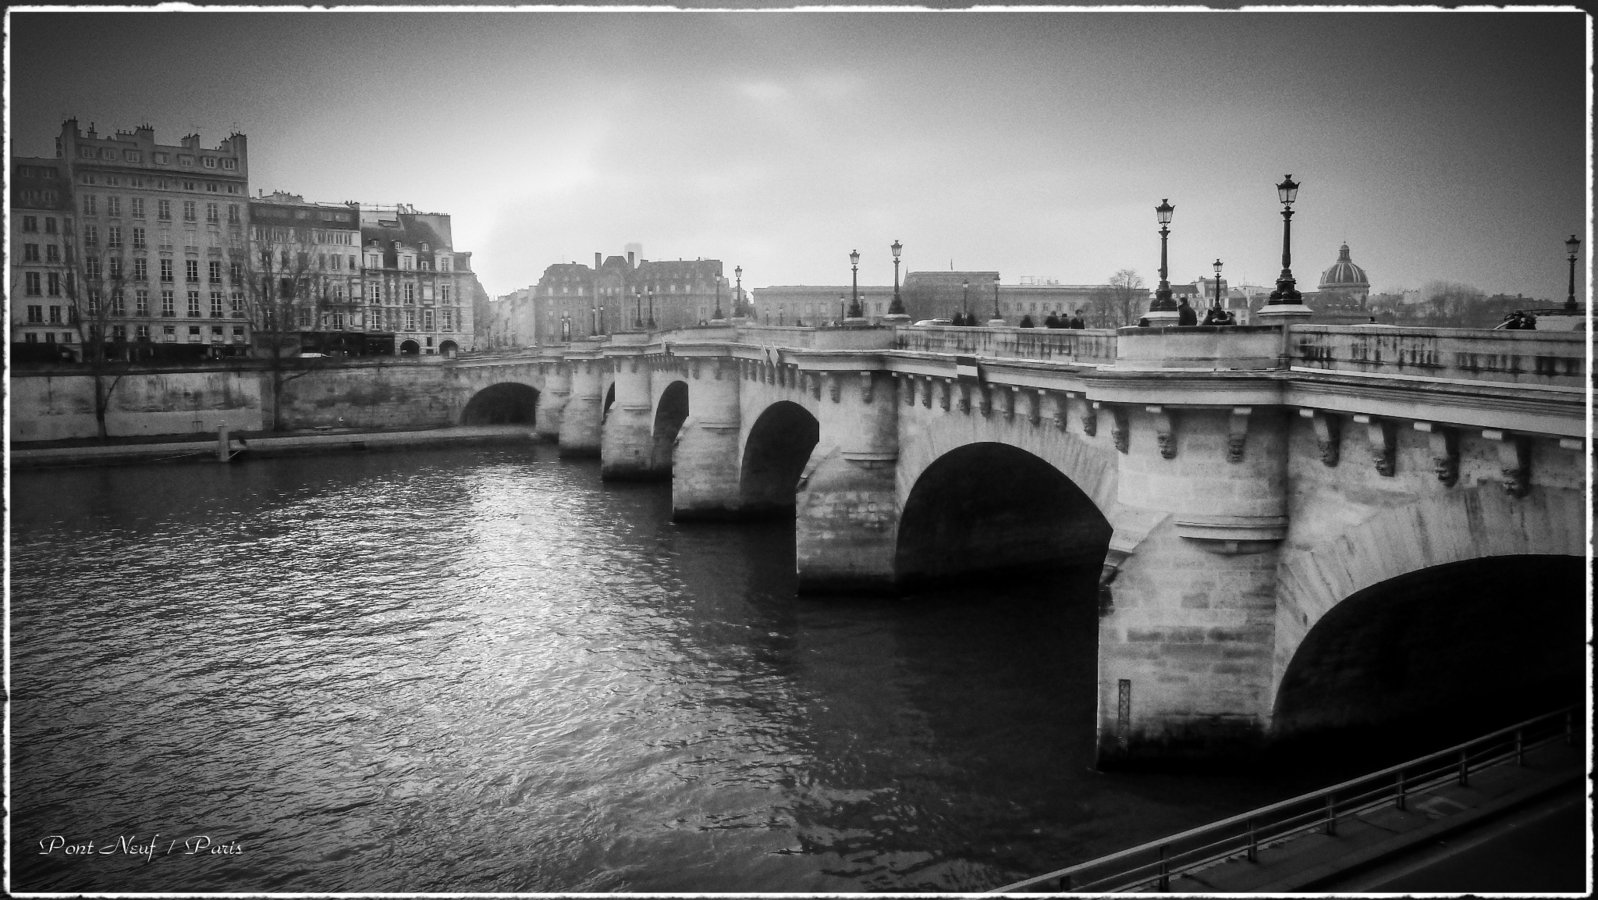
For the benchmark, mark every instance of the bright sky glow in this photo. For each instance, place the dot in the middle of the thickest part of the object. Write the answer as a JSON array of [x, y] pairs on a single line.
[[1439, 145]]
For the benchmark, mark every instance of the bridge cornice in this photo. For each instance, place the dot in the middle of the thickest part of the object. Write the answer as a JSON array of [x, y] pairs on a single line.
[[1523, 409]]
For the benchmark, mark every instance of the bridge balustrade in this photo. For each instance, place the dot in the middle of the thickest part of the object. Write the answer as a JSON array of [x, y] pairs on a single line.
[[807, 338], [1094, 346], [1516, 357]]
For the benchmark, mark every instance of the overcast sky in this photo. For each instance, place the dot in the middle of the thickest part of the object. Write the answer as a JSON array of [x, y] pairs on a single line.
[[1439, 145]]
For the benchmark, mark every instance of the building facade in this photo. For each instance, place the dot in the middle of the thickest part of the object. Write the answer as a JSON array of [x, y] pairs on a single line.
[[306, 256], [44, 322], [574, 301], [414, 284], [144, 232]]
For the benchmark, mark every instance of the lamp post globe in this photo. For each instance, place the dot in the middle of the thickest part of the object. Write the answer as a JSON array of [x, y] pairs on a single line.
[[738, 292], [1162, 295], [1286, 292], [897, 307], [965, 300], [854, 303], [1571, 246]]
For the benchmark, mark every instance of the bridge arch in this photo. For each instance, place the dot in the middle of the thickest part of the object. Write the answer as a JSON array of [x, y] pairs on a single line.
[[1470, 599], [502, 403], [989, 506], [774, 456], [671, 410]]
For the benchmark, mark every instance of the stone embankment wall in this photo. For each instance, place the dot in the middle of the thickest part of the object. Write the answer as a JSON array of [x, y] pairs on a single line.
[[59, 405]]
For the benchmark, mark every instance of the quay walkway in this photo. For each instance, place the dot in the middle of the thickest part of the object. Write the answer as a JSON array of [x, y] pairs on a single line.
[[263, 445], [1323, 841]]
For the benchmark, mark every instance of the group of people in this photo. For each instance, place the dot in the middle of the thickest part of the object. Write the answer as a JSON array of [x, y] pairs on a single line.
[[1057, 320], [1215, 315], [1519, 320]]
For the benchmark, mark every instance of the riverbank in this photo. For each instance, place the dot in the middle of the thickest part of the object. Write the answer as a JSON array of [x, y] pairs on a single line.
[[208, 448]]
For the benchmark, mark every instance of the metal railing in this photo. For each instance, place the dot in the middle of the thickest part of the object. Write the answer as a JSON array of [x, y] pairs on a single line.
[[1151, 866]]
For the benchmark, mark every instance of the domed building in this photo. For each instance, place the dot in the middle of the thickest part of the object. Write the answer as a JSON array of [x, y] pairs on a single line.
[[1341, 295]]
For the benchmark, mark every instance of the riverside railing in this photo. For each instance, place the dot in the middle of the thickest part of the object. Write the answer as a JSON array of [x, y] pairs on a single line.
[[1550, 359], [1093, 346], [1151, 866]]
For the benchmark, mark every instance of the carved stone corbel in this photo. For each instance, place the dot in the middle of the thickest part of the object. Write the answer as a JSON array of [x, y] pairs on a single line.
[[865, 387], [693, 368], [1514, 460], [926, 391], [1328, 432], [1382, 444], [1120, 432], [1090, 419], [1237, 433], [907, 388], [1164, 430], [1445, 451], [965, 398], [985, 405], [1062, 410], [834, 386], [943, 394]]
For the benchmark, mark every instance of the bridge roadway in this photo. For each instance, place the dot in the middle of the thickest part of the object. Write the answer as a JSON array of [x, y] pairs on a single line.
[[1293, 526]]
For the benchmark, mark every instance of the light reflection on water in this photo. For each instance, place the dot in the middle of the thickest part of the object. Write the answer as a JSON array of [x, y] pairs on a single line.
[[482, 670]]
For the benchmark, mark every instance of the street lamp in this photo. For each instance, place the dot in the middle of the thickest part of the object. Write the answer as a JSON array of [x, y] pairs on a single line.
[[638, 310], [1217, 283], [965, 300], [1570, 299], [651, 309], [854, 303], [717, 313], [840, 309], [594, 310], [1162, 296], [996, 298], [897, 306], [1286, 192], [738, 292]]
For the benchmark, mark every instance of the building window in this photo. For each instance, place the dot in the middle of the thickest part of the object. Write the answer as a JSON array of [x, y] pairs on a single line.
[[185, 159], [167, 308], [447, 319], [89, 204], [119, 303], [230, 164], [443, 292], [163, 209], [216, 304], [210, 162], [116, 268], [141, 302], [91, 235], [52, 253], [410, 295], [427, 320], [374, 291], [30, 252], [216, 334], [55, 284], [35, 314], [30, 223], [191, 269], [55, 315], [138, 238], [49, 225], [113, 236], [194, 334], [91, 268], [194, 304], [137, 205], [214, 271], [141, 268], [410, 320], [232, 212], [113, 206], [188, 211], [169, 334], [212, 213], [166, 270]]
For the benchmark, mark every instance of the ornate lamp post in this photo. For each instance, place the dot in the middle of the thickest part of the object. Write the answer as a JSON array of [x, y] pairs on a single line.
[[854, 303], [717, 314], [1285, 292], [997, 318], [651, 308], [1217, 284], [840, 309], [738, 292], [897, 306], [1570, 298], [1162, 296], [638, 310], [594, 314], [965, 300]]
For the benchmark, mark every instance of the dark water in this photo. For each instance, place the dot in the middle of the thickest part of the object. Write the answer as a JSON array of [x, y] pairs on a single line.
[[483, 670]]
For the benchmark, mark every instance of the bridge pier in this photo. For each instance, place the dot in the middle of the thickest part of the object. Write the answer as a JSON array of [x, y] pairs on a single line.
[[705, 464], [626, 439], [848, 511], [584, 410], [552, 399], [1186, 648]]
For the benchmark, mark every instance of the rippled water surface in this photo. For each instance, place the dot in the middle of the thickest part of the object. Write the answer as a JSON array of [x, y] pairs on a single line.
[[484, 670]]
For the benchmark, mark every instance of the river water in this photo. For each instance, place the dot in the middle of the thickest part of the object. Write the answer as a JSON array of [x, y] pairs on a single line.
[[484, 670]]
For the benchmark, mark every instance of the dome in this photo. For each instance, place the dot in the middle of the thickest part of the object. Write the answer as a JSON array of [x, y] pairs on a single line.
[[1344, 275]]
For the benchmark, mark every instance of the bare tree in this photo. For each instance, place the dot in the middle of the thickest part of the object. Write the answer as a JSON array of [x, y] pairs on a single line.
[[92, 279], [1122, 302], [283, 291]]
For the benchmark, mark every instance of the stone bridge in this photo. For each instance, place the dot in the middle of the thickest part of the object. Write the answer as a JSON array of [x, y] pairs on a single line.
[[1294, 527]]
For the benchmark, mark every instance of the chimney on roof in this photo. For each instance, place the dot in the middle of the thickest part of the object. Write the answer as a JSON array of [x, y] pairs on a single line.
[[629, 259], [597, 260]]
